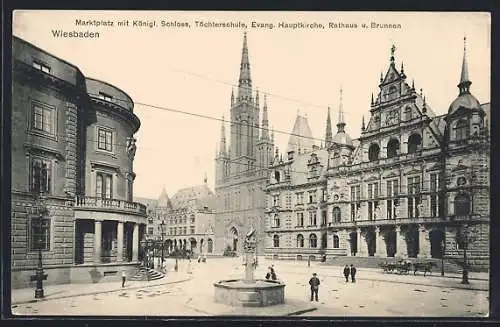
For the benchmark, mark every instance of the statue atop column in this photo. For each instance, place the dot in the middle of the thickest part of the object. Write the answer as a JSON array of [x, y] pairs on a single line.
[[131, 147], [250, 260]]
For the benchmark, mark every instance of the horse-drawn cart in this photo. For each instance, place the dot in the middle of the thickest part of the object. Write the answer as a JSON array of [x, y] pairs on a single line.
[[403, 267]]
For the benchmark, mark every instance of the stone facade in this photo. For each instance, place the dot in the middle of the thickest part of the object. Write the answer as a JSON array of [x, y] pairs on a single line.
[[241, 167], [56, 152], [412, 185]]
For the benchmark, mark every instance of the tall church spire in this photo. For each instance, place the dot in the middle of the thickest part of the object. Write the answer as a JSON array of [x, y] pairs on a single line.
[[222, 150], [465, 83], [245, 81], [328, 133], [341, 123], [265, 121]]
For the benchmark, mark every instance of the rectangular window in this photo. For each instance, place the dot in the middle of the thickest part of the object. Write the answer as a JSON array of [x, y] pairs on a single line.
[[105, 96], [434, 194], [356, 198], [323, 195], [312, 196], [105, 139], [312, 218], [372, 202], [413, 196], [104, 185], [43, 118], [44, 68], [185, 230], [276, 199], [323, 218], [41, 175], [192, 229], [39, 234], [151, 230], [300, 198], [300, 219]]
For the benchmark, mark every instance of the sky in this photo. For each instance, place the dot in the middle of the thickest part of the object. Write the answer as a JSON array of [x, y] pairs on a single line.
[[194, 69]]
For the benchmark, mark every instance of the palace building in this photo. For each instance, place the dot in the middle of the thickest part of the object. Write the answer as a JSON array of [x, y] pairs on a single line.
[[415, 184], [73, 150]]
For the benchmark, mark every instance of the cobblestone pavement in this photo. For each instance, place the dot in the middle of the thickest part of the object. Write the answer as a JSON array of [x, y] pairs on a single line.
[[379, 296]]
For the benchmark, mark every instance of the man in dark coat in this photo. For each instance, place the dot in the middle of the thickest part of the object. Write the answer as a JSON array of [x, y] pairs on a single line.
[[314, 282], [347, 271], [353, 273]]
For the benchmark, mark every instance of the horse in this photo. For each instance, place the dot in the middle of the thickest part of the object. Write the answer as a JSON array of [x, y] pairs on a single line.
[[426, 267]]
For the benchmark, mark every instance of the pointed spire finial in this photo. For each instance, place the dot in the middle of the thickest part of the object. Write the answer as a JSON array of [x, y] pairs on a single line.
[[424, 108], [465, 83], [205, 178], [393, 49], [245, 80], [413, 84], [421, 91], [402, 68], [372, 98], [381, 77], [363, 123], [265, 121], [328, 133]]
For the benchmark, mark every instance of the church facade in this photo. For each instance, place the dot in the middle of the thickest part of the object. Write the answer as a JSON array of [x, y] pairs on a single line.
[[415, 184], [241, 167]]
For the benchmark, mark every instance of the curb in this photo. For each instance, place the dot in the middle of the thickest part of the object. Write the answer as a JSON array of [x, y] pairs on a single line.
[[99, 292], [300, 312]]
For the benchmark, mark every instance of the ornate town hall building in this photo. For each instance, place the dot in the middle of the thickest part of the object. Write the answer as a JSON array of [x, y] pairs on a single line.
[[241, 166], [415, 184]]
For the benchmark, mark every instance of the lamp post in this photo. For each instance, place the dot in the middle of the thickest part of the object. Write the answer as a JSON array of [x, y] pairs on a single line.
[[162, 244], [443, 249], [145, 246], [39, 275]]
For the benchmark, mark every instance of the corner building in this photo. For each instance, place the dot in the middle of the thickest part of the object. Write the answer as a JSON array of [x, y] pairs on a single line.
[[241, 167], [72, 173], [412, 185]]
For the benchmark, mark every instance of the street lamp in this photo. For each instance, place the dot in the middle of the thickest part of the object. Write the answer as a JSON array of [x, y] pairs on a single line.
[[39, 275], [162, 244], [145, 245]]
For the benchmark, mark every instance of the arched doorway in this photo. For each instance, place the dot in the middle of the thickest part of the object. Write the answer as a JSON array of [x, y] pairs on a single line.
[[353, 240], [437, 239], [412, 242], [233, 232], [390, 242]]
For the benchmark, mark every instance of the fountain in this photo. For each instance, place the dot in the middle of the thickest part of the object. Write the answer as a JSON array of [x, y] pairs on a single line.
[[250, 292]]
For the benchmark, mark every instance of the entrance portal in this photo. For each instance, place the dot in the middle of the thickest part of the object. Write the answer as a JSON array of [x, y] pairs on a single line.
[[353, 242], [437, 239], [390, 242], [412, 245], [370, 242]]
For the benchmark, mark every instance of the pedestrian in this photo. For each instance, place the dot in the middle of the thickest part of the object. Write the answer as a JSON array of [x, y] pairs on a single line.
[[314, 282], [124, 277], [347, 271], [353, 273]]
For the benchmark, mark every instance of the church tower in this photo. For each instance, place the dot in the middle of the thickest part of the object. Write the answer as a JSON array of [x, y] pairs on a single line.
[[265, 145], [244, 120]]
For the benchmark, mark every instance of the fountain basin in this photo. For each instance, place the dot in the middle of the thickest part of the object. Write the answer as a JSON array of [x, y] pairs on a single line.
[[260, 293]]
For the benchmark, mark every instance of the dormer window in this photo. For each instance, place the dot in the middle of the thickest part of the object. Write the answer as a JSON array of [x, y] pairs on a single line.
[[105, 97], [462, 130], [44, 68]]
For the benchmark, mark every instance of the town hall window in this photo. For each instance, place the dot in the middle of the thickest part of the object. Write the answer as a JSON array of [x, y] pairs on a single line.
[[312, 218], [373, 152], [372, 200], [300, 219], [408, 113], [392, 198], [414, 143], [462, 130], [336, 214], [44, 68], [312, 196], [355, 201], [41, 175], [462, 204], [413, 196], [276, 221], [336, 241], [43, 118], [434, 194], [392, 148]]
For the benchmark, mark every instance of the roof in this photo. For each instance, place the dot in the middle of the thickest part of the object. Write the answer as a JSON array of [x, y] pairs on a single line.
[[342, 138], [301, 139], [186, 196], [466, 101], [299, 167]]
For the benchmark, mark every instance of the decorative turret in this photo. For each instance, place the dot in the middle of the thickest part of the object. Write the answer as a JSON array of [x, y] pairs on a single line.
[[341, 137], [465, 99], [222, 150], [328, 133], [341, 123], [245, 80], [265, 121]]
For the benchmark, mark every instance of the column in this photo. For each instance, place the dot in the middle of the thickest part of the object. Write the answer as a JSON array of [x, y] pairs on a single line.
[[380, 246], [424, 244], [119, 241], [97, 241], [347, 240], [135, 243], [362, 246], [401, 247]]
